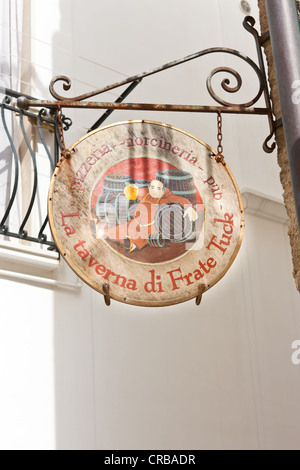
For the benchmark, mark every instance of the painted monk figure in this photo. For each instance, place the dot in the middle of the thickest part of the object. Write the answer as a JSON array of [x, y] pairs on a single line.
[[134, 234]]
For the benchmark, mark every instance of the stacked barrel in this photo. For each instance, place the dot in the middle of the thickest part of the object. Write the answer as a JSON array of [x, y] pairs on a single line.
[[115, 208], [169, 220], [172, 225], [180, 183]]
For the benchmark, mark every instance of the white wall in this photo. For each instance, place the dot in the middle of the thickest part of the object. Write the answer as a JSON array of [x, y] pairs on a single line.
[[78, 375]]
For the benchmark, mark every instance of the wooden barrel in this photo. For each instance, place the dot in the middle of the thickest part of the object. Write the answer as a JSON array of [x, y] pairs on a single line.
[[114, 208], [156, 240], [112, 205], [141, 183], [180, 183], [172, 225], [116, 183]]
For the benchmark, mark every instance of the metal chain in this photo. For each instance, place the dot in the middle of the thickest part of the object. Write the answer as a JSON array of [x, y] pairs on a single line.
[[219, 156], [60, 130], [65, 153]]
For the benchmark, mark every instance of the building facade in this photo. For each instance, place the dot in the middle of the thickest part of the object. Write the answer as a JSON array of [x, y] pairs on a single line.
[[78, 375]]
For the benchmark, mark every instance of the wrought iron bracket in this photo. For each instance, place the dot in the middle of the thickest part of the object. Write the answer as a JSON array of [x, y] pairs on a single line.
[[223, 107]]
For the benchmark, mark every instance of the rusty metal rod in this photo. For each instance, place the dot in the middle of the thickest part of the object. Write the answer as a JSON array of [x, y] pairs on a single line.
[[67, 81], [24, 103]]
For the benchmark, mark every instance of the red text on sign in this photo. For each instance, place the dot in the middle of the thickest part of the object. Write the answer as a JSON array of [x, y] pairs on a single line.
[[101, 270], [70, 230], [224, 242], [177, 277]]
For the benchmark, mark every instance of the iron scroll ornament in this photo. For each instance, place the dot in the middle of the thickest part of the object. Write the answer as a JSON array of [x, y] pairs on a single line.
[[226, 85]]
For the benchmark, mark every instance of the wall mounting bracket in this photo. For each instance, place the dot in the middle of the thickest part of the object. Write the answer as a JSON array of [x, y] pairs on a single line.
[[223, 106]]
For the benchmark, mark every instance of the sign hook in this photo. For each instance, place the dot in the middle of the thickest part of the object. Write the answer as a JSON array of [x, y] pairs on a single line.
[[107, 298], [201, 291]]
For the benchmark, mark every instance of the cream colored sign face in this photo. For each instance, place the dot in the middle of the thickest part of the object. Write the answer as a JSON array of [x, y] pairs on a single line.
[[145, 208]]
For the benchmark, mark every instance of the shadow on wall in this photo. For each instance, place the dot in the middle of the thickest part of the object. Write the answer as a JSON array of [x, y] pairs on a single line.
[[129, 377], [214, 377], [73, 327]]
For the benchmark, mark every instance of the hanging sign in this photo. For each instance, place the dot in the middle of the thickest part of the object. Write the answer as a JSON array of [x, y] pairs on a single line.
[[145, 209]]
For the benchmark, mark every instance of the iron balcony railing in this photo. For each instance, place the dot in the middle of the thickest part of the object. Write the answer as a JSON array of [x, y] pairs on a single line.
[[25, 132]]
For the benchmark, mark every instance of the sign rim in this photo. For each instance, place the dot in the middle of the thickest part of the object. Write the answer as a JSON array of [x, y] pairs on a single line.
[[94, 285]]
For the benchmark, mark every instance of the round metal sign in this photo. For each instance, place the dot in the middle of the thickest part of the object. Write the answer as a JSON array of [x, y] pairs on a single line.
[[144, 208]]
